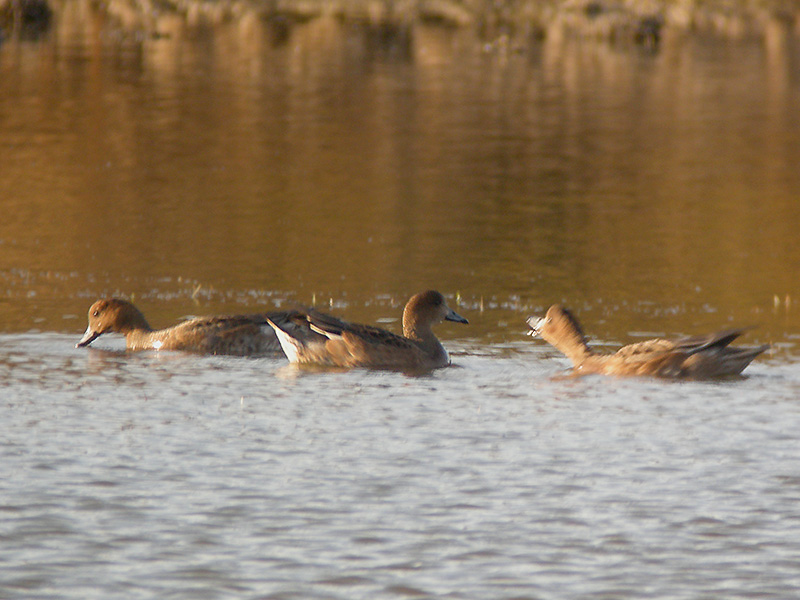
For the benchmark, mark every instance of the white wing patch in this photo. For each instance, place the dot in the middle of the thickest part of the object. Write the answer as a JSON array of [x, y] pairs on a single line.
[[288, 343], [327, 334]]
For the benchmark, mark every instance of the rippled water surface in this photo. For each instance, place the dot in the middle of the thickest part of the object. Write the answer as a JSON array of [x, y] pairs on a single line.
[[221, 167], [176, 476]]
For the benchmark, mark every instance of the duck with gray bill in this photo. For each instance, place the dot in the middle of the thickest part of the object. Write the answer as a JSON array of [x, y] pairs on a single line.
[[237, 335], [339, 343]]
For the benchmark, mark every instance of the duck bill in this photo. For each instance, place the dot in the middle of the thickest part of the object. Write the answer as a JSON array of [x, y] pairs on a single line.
[[454, 316], [88, 337], [535, 325]]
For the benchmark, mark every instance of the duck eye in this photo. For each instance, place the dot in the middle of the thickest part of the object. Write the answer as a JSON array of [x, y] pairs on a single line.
[[96, 313]]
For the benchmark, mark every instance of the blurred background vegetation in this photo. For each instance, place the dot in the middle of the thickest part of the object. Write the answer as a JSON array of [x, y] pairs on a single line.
[[506, 25]]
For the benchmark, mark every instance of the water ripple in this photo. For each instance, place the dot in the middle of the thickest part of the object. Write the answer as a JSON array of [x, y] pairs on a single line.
[[204, 477]]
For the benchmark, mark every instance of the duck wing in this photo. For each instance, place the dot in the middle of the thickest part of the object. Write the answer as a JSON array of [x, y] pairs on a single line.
[[332, 327], [719, 339], [711, 356], [702, 356], [646, 349], [237, 335], [352, 344], [686, 345]]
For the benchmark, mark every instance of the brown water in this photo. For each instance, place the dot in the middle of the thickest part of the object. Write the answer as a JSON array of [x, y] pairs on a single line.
[[325, 165], [239, 166]]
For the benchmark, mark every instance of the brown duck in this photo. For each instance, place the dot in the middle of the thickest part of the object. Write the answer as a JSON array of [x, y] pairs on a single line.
[[343, 344], [692, 357], [239, 335]]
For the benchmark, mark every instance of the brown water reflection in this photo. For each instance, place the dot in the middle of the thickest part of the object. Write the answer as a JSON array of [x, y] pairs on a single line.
[[213, 168]]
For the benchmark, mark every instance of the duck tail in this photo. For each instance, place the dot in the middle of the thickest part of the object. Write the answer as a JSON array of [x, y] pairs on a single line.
[[737, 359]]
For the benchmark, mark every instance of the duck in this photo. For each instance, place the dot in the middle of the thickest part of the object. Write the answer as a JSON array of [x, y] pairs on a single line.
[[339, 343], [236, 335], [699, 357]]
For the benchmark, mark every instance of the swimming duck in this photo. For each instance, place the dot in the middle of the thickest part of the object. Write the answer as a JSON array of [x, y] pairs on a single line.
[[239, 335], [691, 357], [344, 344]]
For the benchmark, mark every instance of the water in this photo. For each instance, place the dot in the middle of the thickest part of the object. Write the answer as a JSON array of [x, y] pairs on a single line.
[[177, 476], [227, 168]]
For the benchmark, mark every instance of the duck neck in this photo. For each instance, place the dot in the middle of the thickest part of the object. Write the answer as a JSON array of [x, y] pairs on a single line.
[[135, 328], [134, 321], [424, 336], [418, 333], [565, 334], [577, 350]]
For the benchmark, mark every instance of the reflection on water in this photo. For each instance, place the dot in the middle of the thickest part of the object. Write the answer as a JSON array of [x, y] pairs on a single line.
[[315, 161], [219, 168]]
